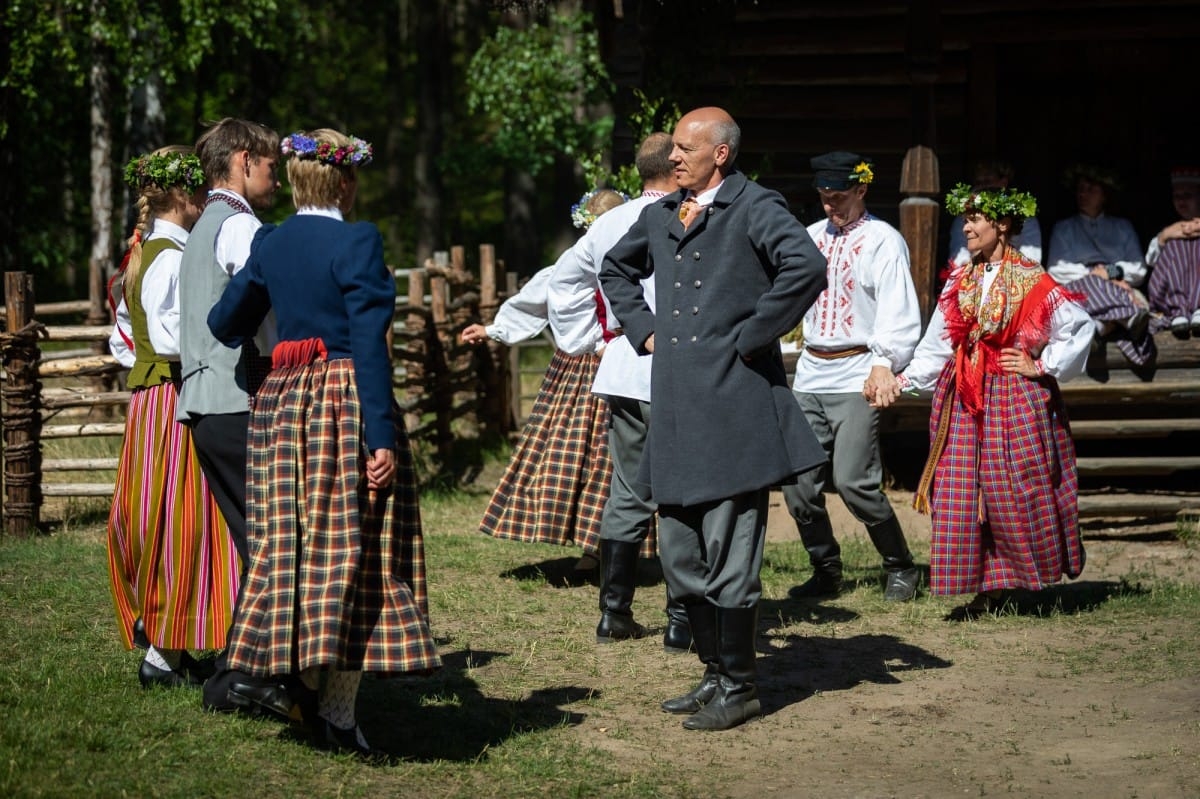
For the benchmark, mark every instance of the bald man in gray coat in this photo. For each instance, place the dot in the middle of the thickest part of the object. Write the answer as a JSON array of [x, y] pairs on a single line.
[[733, 271]]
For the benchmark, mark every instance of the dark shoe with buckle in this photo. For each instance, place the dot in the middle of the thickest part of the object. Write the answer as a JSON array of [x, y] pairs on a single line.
[[821, 584], [151, 676], [902, 585]]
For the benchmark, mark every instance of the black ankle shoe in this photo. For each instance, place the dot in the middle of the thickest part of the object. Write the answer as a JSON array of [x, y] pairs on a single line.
[[819, 585], [327, 735], [902, 585], [151, 676], [139, 634]]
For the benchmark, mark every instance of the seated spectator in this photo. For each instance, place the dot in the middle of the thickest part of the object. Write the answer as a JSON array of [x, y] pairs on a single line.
[[1100, 257], [1174, 285]]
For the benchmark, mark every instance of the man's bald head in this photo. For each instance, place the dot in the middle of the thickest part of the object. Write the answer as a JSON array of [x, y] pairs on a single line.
[[706, 144]]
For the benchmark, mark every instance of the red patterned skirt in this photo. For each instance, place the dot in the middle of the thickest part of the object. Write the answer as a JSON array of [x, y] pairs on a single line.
[[1004, 503], [337, 570], [556, 483]]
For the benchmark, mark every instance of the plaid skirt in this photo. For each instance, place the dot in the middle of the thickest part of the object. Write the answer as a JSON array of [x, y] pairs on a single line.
[[170, 558], [1004, 503], [337, 570], [556, 483]]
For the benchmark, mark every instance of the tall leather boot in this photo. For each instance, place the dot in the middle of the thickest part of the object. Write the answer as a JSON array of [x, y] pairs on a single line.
[[826, 558], [902, 574], [736, 699], [678, 637], [702, 619], [618, 564]]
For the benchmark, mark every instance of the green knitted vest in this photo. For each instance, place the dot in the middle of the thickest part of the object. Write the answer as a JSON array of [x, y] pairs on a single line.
[[149, 368]]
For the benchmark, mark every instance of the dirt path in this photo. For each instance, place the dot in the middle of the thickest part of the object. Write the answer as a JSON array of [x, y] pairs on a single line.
[[878, 705]]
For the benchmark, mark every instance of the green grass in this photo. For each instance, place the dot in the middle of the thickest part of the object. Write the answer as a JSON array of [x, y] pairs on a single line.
[[526, 705]]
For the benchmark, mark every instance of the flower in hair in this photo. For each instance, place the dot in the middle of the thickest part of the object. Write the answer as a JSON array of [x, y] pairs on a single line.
[[862, 173], [992, 203], [165, 171], [581, 215], [356, 153]]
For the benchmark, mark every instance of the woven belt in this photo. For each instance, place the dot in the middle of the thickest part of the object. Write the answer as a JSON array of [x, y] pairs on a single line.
[[833, 355]]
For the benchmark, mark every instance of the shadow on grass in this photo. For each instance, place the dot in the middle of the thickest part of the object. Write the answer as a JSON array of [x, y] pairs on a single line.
[[447, 717], [1083, 596], [562, 573], [802, 666]]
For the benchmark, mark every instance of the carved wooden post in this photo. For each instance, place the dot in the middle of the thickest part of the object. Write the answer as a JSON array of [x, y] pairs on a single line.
[[22, 412], [919, 222], [417, 348]]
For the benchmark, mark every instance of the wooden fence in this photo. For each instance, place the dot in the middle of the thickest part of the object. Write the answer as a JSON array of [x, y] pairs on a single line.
[[448, 391]]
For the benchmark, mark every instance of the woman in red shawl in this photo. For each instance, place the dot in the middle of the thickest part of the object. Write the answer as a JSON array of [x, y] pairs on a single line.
[[1000, 483]]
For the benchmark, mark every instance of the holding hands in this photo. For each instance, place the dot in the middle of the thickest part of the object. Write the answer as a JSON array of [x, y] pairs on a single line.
[[881, 387]]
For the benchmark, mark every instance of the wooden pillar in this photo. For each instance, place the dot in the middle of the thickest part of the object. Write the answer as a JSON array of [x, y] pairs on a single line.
[[22, 411], [919, 213], [497, 404]]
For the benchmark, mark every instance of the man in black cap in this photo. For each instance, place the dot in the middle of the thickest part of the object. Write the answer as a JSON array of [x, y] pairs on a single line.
[[863, 328]]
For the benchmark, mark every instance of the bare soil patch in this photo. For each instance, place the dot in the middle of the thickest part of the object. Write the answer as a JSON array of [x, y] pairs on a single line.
[[864, 699]]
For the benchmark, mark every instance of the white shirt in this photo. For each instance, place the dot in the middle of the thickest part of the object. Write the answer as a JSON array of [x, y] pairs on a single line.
[[1028, 242], [1063, 358], [232, 251], [523, 315], [870, 300], [160, 299], [1080, 240], [622, 371]]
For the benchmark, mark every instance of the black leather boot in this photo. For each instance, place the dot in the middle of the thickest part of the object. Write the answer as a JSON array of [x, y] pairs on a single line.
[[678, 637], [618, 565], [736, 699], [902, 574], [826, 558], [702, 619]]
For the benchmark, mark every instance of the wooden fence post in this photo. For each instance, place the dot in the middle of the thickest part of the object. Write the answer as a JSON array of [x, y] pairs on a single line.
[[497, 390], [437, 364], [417, 348], [919, 223], [22, 413]]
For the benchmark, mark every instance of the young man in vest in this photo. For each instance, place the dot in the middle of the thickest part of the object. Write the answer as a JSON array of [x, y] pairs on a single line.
[[239, 159]]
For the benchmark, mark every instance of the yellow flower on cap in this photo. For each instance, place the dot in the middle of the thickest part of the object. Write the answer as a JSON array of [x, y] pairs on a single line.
[[863, 173]]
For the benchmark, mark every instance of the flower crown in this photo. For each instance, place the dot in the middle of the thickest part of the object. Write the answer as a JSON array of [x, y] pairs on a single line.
[[862, 174], [165, 170], [993, 203], [581, 216], [356, 153]]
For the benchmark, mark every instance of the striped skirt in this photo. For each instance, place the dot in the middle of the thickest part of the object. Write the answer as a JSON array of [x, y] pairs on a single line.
[[557, 481], [1105, 301], [337, 570], [170, 558], [1004, 504], [1174, 284]]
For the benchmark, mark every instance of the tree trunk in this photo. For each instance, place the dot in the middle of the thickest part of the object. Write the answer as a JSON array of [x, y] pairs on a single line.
[[521, 244], [101, 178], [433, 89]]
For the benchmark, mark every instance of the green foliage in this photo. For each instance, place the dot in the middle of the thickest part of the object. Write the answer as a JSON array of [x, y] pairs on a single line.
[[651, 115], [529, 84]]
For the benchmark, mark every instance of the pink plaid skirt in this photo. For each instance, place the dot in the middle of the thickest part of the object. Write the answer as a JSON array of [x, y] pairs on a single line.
[[1005, 491]]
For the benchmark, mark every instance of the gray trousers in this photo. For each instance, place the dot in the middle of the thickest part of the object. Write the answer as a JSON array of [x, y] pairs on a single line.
[[628, 510], [848, 428], [713, 552]]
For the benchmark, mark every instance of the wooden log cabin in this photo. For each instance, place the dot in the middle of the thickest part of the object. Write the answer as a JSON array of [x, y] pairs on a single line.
[[1042, 85]]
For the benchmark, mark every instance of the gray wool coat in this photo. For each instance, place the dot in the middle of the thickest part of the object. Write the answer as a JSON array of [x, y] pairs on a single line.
[[723, 419]]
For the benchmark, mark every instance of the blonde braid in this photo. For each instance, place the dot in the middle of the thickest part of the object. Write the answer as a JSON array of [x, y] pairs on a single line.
[[140, 230]]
